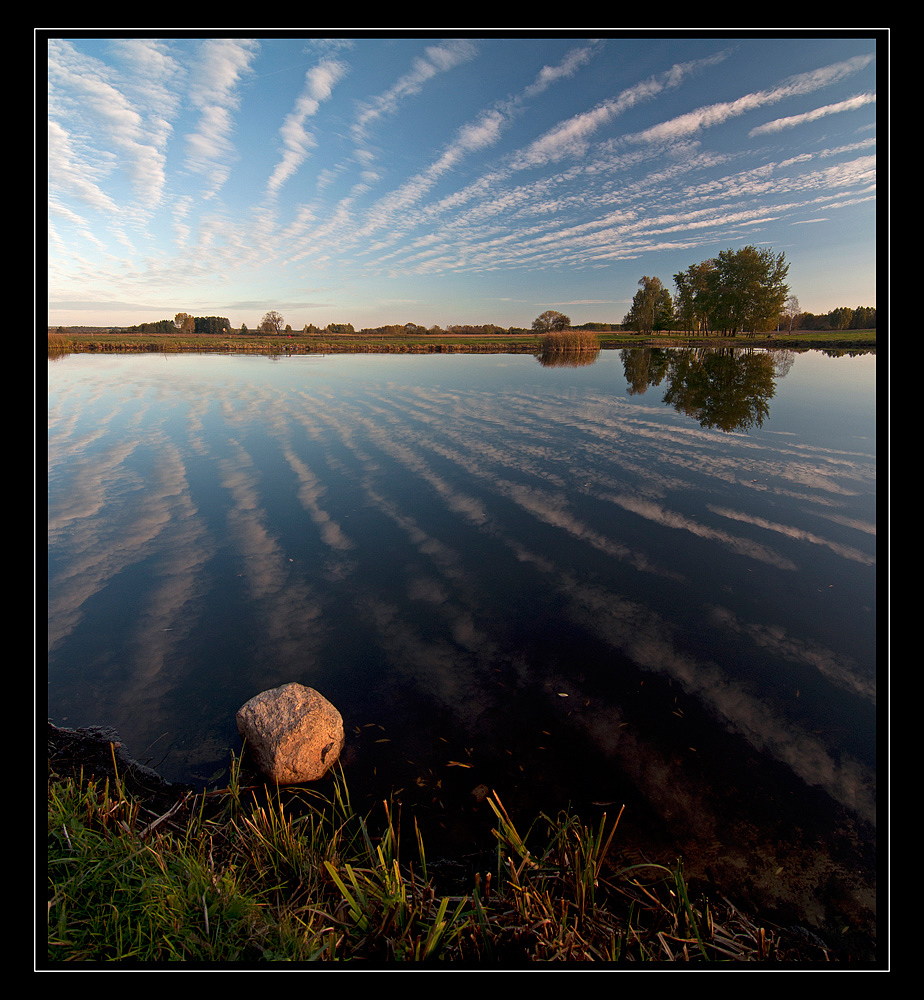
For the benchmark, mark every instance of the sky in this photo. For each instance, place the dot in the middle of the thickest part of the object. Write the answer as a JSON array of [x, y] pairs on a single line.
[[451, 180]]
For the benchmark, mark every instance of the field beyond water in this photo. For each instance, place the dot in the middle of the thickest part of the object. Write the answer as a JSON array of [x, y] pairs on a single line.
[[80, 341]]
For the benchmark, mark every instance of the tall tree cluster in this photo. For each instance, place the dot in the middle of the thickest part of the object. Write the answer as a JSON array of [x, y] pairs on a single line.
[[740, 290]]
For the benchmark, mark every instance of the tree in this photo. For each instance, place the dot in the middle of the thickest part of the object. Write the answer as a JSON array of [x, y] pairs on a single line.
[[184, 323], [551, 321], [696, 296], [840, 318], [864, 318], [791, 313], [652, 307], [750, 290], [740, 290], [271, 322], [214, 325]]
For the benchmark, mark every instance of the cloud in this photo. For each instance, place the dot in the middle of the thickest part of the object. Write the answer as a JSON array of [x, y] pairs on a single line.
[[100, 121], [715, 114], [66, 173], [471, 137], [570, 138], [221, 63], [572, 62], [320, 81], [439, 59], [861, 100]]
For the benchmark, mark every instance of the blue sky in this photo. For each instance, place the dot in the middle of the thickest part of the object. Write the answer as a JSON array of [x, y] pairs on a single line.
[[449, 180]]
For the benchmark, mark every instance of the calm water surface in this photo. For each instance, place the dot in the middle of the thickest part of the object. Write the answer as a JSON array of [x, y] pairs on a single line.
[[649, 580]]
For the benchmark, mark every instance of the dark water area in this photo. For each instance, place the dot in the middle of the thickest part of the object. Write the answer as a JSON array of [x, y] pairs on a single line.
[[645, 580]]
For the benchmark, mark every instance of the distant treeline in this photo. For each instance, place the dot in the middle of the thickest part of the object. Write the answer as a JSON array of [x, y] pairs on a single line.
[[201, 325], [842, 318], [221, 325]]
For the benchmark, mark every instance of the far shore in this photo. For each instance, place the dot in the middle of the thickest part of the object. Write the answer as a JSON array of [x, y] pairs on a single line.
[[80, 341]]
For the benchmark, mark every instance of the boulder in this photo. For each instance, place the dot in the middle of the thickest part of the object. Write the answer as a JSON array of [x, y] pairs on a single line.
[[294, 733]]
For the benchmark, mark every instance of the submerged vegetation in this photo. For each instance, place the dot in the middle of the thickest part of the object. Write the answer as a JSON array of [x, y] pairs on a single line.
[[256, 875]]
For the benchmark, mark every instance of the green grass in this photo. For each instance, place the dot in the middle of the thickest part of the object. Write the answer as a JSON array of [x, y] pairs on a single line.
[[256, 876]]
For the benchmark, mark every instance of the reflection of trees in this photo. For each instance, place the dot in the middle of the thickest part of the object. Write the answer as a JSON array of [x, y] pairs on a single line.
[[782, 362], [644, 366], [726, 388]]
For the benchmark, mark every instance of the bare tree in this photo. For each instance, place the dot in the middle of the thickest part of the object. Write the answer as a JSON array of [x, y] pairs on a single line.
[[272, 322], [791, 312]]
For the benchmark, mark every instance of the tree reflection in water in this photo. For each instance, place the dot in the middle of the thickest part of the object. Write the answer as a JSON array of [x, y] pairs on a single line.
[[726, 388]]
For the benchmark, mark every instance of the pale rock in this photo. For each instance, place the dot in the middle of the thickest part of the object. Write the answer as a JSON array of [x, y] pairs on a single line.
[[294, 733]]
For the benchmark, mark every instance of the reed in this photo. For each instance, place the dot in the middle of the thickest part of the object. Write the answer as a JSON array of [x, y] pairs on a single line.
[[58, 344], [569, 341]]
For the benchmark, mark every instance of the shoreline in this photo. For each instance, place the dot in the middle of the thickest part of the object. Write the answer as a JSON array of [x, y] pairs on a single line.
[[297, 345]]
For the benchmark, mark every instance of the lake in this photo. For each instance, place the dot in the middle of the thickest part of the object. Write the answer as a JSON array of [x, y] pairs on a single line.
[[647, 580]]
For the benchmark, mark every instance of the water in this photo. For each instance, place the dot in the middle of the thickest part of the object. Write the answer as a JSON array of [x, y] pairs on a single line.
[[649, 580]]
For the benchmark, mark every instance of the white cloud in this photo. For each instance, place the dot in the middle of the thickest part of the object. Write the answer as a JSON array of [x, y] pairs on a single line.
[[715, 114], [572, 62], [100, 122], [571, 137], [320, 81], [221, 63], [439, 59], [851, 104]]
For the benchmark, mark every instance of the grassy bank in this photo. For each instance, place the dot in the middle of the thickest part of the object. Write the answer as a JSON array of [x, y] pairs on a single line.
[[255, 876], [298, 343]]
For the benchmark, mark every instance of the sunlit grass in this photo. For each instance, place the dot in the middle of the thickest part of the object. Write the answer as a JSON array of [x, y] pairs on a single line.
[[252, 876]]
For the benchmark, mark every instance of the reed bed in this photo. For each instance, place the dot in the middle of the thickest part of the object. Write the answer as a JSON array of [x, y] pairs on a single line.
[[255, 876], [570, 341], [57, 344]]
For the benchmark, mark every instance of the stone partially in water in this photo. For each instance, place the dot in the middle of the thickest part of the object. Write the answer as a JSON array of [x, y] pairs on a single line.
[[294, 733]]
